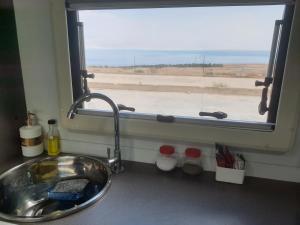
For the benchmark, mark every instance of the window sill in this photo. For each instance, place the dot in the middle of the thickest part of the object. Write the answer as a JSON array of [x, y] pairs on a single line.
[[178, 132], [234, 124]]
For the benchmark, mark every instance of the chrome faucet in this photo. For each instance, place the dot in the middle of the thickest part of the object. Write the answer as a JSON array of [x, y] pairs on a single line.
[[115, 162]]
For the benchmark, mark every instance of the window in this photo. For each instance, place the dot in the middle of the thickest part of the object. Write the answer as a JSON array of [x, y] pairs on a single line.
[[247, 134], [186, 62], [180, 61]]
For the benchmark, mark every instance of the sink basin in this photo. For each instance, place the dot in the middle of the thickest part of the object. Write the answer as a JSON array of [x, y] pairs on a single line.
[[24, 189]]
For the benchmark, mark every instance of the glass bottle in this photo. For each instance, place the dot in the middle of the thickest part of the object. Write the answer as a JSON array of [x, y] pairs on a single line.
[[53, 139]]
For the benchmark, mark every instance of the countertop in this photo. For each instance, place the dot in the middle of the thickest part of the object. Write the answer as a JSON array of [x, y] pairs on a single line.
[[142, 195]]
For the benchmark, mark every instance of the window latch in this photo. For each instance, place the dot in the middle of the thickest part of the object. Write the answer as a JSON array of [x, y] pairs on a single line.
[[85, 75], [262, 107], [218, 115], [267, 82], [124, 107]]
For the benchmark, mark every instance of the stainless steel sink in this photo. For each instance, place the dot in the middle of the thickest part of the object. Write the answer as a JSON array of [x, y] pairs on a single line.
[[24, 189]]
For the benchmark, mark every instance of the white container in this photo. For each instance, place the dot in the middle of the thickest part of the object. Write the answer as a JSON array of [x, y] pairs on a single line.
[[229, 175], [32, 151], [31, 137]]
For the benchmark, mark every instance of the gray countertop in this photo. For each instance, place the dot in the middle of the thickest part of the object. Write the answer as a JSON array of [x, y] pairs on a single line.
[[142, 195]]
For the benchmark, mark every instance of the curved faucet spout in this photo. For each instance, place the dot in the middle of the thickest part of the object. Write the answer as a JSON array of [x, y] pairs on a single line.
[[117, 166]]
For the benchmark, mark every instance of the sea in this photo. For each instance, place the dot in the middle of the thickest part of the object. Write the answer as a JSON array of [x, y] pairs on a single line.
[[128, 57]]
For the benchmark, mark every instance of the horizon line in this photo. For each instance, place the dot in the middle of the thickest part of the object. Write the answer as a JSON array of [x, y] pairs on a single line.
[[197, 50]]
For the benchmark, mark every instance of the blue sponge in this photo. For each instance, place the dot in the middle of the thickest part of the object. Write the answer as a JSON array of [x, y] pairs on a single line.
[[68, 190]]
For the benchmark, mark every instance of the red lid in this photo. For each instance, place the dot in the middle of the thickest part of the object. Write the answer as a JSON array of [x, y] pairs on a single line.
[[167, 149], [193, 152]]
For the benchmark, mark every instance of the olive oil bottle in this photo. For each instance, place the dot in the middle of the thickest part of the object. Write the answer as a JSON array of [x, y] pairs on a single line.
[[53, 139]]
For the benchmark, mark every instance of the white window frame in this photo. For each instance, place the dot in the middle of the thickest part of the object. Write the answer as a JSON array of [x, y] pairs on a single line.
[[280, 139]]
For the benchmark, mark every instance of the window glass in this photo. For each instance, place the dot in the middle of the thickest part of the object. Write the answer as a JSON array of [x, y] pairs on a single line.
[[180, 61]]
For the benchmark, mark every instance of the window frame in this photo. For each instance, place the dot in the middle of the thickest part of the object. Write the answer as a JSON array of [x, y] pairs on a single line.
[[262, 136], [278, 71], [73, 23]]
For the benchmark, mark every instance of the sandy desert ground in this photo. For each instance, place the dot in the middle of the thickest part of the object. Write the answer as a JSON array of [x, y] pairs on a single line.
[[183, 91], [227, 70]]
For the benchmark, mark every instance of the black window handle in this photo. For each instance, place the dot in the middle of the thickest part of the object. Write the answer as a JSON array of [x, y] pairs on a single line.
[[263, 107], [218, 115], [165, 119], [124, 107]]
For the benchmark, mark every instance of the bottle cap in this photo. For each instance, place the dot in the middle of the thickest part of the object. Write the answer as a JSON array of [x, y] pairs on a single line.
[[167, 150], [193, 152], [52, 121]]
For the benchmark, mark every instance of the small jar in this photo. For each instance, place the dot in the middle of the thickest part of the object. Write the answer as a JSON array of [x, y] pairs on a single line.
[[166, 161], [192, 162]]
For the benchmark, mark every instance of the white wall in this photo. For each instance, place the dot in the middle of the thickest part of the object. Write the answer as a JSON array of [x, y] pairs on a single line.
[[39, 72]]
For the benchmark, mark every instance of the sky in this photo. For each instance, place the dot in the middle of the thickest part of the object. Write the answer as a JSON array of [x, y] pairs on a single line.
[[196, 28]]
